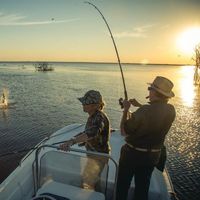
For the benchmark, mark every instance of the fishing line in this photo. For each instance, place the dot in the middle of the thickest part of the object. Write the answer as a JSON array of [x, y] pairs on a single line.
[[123, 80]]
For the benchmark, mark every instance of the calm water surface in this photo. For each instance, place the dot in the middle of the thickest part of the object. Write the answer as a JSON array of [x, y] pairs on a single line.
[[46, 102]]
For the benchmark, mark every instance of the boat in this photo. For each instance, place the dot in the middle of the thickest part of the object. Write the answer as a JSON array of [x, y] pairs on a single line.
[[48, 173], [43, 66]]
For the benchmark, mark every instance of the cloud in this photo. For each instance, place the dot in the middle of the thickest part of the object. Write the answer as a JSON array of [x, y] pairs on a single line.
[[126, 34], [16, 20], [10, 18], [138, 32]]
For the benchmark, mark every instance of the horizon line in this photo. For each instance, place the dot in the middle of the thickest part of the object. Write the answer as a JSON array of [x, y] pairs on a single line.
[[99, 62]]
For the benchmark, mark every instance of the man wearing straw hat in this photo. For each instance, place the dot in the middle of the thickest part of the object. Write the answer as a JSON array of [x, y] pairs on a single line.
[[144, 132]]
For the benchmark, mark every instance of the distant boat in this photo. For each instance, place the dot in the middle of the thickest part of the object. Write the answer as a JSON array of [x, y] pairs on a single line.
[[43, 66]]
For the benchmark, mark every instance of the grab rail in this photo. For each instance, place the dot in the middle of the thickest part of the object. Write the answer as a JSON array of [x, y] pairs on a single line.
[[37, 176]]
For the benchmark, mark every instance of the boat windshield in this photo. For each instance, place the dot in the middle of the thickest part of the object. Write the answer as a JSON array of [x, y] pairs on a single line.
[[70, 169]]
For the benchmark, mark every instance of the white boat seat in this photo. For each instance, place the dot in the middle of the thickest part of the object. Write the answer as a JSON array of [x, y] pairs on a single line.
[[69, 191]]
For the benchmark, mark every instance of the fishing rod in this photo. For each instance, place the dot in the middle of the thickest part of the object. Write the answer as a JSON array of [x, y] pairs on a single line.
[[28, 149], [56, 143], [123, 80], [34, 148]]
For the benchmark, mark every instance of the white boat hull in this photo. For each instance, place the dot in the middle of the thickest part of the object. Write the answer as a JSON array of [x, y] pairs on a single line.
[[20, 183]]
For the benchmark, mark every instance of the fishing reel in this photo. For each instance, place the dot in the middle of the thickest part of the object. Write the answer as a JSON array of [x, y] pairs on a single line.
[[121, 102]]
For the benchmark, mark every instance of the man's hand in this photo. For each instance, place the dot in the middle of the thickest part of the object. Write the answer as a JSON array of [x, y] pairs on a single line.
[[135, 103], [126, 105]]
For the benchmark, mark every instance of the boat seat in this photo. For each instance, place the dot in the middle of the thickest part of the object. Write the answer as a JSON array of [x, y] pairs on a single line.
[[55, 196], [69, 192]]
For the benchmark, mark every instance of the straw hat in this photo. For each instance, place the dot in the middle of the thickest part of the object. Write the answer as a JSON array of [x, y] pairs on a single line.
[[163, 86]]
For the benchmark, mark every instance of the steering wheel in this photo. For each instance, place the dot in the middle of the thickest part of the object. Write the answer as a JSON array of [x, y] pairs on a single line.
[[43, 197]]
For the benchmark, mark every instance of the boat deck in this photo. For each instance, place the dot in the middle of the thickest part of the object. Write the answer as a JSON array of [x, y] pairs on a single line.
[[69, 192]]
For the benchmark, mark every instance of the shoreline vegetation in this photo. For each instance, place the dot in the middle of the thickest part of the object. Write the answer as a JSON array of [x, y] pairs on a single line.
[[123, 63]]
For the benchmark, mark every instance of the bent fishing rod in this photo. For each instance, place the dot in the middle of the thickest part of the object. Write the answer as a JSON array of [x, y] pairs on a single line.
[[123, 80]]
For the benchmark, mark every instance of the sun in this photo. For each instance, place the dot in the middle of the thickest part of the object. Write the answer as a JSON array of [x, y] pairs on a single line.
[[188, 39]]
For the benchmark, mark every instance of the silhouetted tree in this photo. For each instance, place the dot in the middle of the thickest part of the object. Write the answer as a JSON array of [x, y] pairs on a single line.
[[197, 65]]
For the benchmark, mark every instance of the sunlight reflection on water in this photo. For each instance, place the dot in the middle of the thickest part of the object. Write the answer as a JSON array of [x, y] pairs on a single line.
[[45, 102], [186, 86]]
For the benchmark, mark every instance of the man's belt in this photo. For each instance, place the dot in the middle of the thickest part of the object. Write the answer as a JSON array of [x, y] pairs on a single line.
[[142, 149]]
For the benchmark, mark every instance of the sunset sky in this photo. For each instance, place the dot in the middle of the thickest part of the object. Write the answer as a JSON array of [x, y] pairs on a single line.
[[145, 31]]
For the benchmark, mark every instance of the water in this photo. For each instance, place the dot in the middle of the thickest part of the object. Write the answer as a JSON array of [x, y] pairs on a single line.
[[46, 102]]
